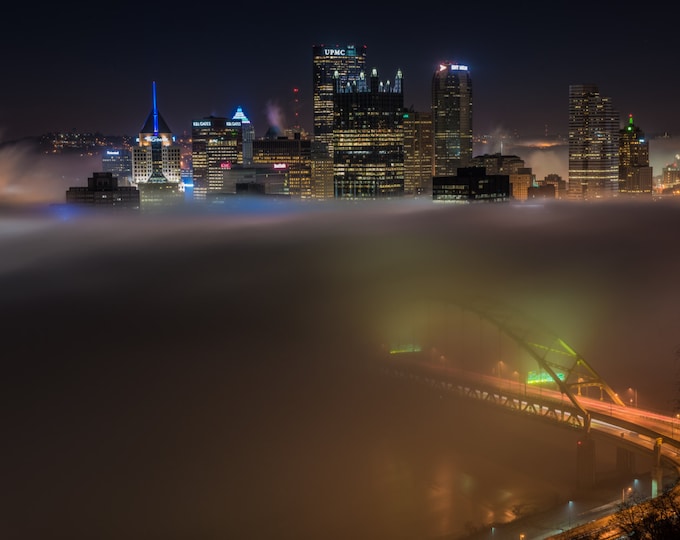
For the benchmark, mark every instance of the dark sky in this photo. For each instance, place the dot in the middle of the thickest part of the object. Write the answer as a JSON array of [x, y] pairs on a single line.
[[91, 68]]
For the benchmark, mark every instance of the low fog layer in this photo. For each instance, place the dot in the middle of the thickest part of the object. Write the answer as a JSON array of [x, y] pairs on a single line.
[[204, 375]]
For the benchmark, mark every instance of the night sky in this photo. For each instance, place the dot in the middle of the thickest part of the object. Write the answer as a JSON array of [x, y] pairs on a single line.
[[91, 69]]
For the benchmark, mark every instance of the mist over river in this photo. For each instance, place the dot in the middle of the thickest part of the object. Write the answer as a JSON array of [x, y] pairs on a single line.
[[212, 374]]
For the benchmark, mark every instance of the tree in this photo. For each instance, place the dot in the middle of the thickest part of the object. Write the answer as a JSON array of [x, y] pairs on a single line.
[[654, 519]]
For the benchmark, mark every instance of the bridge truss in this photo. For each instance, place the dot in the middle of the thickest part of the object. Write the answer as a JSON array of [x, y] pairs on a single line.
[[565, 368]]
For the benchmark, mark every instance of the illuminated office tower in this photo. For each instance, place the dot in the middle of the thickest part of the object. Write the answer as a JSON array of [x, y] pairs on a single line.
[[293, 154], [248, 131], [216, 144], [157, 158], [499, 163], [368, 138], [332, 64], [635, 173], [118, 162], [322, 172], [593, 144], [156, 163], [417, 152], [451, 118]]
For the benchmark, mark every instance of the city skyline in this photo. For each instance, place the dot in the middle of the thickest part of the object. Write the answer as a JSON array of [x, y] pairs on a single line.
[[94, 75]]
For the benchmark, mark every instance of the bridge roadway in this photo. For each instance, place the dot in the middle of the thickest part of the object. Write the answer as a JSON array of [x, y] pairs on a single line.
[[632, 428]]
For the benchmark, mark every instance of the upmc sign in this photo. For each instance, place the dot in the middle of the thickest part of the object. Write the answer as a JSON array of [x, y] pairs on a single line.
[[335, 52]]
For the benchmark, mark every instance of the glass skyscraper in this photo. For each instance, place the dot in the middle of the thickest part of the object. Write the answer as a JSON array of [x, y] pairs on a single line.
[[368, 138], [593, 144], [451, 118], [635, 173], [332, 64], [216, 144]]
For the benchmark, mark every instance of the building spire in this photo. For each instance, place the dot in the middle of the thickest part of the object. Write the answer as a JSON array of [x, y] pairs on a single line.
[[155, 109]]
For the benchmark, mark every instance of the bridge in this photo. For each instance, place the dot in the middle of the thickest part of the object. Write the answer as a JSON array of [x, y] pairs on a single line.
[[544, 378]]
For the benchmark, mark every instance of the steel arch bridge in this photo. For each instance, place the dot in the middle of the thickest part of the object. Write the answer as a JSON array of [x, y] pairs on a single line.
[[564, 366]]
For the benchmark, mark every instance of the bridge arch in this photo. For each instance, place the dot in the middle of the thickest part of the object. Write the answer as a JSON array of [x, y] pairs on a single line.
[[565, 367]]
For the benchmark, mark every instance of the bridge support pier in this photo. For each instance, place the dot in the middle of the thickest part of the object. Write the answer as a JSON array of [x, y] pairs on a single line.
[[585, 462], [657, 469], [625, 461]]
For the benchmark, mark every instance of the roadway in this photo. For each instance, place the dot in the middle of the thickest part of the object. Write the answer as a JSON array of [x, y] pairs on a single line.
[[641, 430]]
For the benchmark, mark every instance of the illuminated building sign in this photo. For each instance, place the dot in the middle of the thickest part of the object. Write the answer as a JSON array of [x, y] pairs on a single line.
[[452, 67], [339, 52], [113, 152], [225, 165], [232, 124], [280, 166], [201, 123]]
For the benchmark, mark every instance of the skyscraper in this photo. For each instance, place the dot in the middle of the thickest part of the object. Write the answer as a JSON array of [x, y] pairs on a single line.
[[593, 144], [248, 131], [118, 161], [635, 173], [295, 154], [417, 152], [156, 162], [156, 153], [368, 138], [216, 143], [332, 64], [451, 118]]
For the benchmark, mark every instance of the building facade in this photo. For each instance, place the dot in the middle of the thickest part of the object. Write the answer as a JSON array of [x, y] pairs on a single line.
[[216, 143], [451, 118], [368, 138], [593, 144], [248, 131], [332, 65], [256, 179], [157, 156], [102, 190], [418, 153], [296, 154], [118, 162], [498, 163], [471, 185], [635, 173]]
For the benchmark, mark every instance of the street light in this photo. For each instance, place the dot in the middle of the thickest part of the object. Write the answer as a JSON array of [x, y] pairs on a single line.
[[569, 509], [623, 493], [634, 396]]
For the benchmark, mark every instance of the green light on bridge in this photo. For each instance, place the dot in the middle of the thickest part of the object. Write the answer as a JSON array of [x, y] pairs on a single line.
[[543, 377], [407, 348]]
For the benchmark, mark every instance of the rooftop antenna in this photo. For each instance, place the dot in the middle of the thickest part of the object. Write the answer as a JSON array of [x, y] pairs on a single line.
[[296, 110]]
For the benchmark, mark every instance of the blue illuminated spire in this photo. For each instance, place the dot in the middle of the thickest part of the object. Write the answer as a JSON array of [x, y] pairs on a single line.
[[155, 124], [155, 109]]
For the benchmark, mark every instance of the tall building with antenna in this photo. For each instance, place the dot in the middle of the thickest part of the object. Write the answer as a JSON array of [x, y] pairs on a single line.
[[451, 118], [156, 161], [635, 173], [157, 157]]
